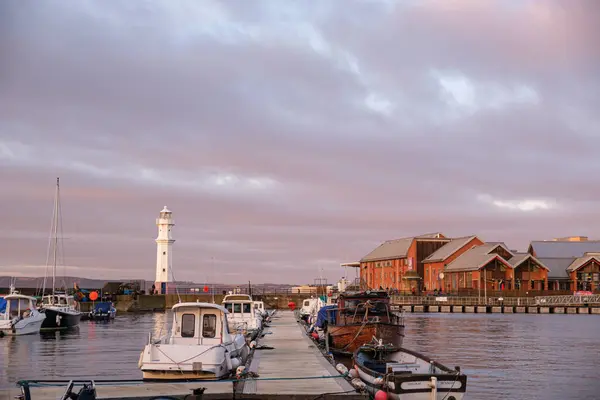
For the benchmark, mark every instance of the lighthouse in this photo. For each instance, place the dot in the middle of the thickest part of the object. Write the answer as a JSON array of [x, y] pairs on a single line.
[[164, 250]]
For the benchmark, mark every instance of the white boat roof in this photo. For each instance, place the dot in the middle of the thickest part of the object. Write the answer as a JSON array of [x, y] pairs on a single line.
[[18, 296], [237, 298], [201, 305]]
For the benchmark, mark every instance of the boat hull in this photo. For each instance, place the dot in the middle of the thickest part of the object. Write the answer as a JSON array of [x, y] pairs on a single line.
[[60, 320], [348, 338], [210, 362], [27, 326]]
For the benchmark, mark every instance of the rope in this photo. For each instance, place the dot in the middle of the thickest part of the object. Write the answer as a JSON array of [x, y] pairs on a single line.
[[55, 383]]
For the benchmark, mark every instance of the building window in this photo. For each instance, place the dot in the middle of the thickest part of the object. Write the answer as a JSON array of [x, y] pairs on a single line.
[[209, 325], [188, 325]]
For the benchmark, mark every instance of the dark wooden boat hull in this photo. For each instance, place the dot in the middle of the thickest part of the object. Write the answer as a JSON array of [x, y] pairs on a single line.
[[60, 320], [412, 386], [348, 338]]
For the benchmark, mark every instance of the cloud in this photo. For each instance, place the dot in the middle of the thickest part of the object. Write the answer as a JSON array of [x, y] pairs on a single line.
[[286, 136]]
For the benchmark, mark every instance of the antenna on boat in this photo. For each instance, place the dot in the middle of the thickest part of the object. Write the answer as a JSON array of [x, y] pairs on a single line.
[[175, 283]]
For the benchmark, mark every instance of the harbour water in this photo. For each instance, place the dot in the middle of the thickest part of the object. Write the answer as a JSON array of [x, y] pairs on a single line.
[[546, 357]]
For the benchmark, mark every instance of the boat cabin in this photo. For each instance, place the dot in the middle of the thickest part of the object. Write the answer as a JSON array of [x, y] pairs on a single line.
[[239, 305], [18, 305], [199, 323], [58, 300], [259, 306], [354, 307]]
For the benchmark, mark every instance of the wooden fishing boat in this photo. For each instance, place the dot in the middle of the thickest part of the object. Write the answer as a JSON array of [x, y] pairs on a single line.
[[360, 316], [407, 375]]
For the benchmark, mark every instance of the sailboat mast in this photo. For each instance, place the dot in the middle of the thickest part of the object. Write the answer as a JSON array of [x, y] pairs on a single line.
[[56, 200]]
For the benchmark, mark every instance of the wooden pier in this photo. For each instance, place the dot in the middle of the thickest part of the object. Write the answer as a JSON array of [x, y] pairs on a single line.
[[293, 355], [589, 305]]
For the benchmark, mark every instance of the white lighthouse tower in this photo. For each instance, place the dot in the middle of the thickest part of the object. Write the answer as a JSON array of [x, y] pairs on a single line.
[[164, 250]]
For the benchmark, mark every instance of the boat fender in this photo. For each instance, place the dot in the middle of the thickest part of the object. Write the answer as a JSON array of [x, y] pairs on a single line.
[[252, 344], [342, 369], [378, 381], [315, 335], [381, 395], [353, 373], [240, 371], [230, 366], [140, 360], [358, 384], [235, 363]]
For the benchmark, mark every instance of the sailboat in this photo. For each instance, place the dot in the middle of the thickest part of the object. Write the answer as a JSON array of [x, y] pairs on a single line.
[[60, 308]]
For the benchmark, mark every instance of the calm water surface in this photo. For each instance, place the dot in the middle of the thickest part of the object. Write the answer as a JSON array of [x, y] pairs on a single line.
[[549, 357]]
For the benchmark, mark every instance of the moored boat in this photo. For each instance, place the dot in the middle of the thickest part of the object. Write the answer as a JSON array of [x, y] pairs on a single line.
[[102, 311], [61, 311], [243, 316], [360, 316], [20, 315], [199, 346], [407, 375]]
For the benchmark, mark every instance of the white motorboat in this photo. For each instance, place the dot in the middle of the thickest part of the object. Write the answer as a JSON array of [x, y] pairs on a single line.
[[242, 317], [310, 309], [199, 346], [260, 309], [21, 316]]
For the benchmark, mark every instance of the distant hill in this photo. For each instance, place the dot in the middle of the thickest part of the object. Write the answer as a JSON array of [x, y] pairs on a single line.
[[85, 283]]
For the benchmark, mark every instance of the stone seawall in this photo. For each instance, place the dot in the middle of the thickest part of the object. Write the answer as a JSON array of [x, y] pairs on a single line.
[[144, 303]]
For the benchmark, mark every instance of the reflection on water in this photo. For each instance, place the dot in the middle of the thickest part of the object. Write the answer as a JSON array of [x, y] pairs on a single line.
[[550, 357], [514, 356]]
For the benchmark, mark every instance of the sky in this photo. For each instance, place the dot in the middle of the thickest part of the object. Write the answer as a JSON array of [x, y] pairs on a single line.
[[290, 136]]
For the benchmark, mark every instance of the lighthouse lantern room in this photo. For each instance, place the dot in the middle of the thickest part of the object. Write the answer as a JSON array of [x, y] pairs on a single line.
[[164, 250]]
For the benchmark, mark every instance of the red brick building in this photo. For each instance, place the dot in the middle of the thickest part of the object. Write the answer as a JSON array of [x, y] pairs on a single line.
[[398, 264]]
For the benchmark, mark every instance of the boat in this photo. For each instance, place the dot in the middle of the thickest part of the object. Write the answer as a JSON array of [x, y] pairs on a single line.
[[102, 311], [405, 374], [199, 346], [243, 317], [357, 318], [20, 315], [60, 308], [310, 308]]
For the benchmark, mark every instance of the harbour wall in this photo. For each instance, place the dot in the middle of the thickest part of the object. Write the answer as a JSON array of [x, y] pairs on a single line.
[[483, 309], [144, 303]]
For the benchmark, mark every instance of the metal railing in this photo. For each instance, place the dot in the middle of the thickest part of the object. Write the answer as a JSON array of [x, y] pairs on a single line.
[[567, 300], [495, 301]]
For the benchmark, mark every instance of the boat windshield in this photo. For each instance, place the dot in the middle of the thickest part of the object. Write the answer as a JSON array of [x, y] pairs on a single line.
[[17, 307], [54, 300]]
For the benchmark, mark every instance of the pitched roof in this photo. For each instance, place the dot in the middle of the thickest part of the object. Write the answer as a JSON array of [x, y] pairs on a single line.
[[476, 258], [581, 261], [557, 266], [520, 258], [397, 248], [563, 249], [448, 249]]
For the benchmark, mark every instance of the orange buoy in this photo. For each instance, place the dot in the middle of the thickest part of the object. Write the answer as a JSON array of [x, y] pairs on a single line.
[[94, 296]]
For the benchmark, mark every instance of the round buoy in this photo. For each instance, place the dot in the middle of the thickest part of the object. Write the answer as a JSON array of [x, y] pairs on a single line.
[[206, 289], [381, 395], [315, 335], [292, 305], [94, 296]]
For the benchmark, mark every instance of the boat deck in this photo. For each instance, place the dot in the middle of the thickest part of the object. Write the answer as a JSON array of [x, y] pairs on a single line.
[[293, 355]]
